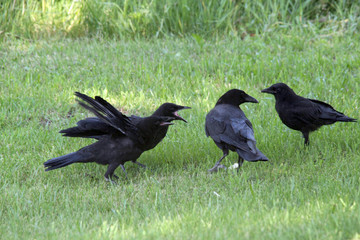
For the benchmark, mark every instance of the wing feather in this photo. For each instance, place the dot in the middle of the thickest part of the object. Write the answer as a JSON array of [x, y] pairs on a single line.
[[109, 114]]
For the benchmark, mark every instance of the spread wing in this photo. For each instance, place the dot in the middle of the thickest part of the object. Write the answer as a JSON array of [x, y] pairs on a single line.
[[109, 115], [89, 128], [94, 127], [135, 119]]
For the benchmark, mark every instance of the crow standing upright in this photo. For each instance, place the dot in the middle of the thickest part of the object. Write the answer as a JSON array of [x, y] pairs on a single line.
[[228, 126], [124, 141], [94, 127], [303, 114]]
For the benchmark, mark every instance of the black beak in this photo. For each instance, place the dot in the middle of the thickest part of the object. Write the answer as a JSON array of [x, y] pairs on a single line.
[[251, 99], [268, 90], [166, 123], [177, 116]]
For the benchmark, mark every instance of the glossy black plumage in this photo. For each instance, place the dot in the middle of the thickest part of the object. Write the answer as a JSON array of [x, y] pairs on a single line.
[[94, 127], [166, 110], [124, 141], [303, 114], [228, 126]]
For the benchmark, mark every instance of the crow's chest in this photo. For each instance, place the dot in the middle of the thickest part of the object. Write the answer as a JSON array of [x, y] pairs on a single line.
[[288, 116]]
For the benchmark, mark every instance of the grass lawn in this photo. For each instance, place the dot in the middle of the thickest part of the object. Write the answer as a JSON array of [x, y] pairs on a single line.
[[310, 193]]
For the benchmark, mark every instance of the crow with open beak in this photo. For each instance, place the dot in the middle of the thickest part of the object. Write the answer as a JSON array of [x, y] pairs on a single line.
[[166, 110], [94, 127], [123, 141]]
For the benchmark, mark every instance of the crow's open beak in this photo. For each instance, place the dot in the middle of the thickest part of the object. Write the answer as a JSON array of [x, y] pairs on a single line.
[[166, 123], [268, 90], [251, 99], [178, 117]]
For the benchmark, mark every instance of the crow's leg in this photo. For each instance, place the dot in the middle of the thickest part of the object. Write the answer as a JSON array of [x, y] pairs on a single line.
[[240, 162], [140, 164], [217, 164], [306, 136], [123, 168], [110, 171]]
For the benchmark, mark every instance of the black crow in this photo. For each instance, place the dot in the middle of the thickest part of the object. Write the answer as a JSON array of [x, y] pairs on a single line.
[[96, 128], [228, 126], [123, 142], [166, 110], [303, 114]]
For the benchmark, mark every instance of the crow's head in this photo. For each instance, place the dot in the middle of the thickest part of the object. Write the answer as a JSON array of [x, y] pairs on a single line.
[[235, 97], [163, 121], [278, 89], [149, 126], [170, 110]]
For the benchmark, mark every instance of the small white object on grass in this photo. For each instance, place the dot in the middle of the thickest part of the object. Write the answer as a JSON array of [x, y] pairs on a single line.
[[218, 195], [234, 166]]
